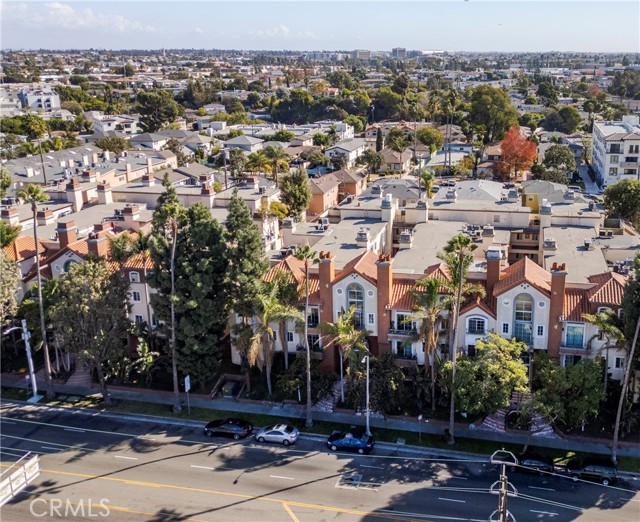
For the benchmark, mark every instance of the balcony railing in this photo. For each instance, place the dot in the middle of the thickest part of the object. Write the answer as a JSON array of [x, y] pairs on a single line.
[[302, 348], [405, 357], [476, 331], [403, 331]]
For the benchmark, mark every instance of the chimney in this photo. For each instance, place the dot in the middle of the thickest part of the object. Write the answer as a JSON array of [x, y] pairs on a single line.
[[29, 172], [10, 215], [89, 175], [149, 165], [148, 180], [98, 246], [106, 155], [44, 217], [494, 258], [131, 215], [105, 196], [556, 309], [326, 275], [128, 167], [67, 233], [207, 195], [85, 160], [363, 237], [385, 289], [74, 194], [94, 158], [488, 234]]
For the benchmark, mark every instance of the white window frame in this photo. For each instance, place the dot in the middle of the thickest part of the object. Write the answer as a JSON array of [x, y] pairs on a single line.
[[371, 318], [134, 277], [505, 328], [138, 319], [618, 363], [477, 319], [289, 336], [136, 297], [540, 330]]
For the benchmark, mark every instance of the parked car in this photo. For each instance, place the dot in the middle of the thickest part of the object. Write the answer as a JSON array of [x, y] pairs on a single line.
[[509, 185], [351, 441], [596, 470], [280, 433], [534, 463], [235, 428], [448, 183], [435, 188], [575, 188]]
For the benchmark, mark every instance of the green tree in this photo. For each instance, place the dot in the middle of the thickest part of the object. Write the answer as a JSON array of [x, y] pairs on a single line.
[[157, 108], [356, 122], [622, 199], [553, 176], [6, 181], [90, 317], [268, 310], [114, 144], [559, 158], [484, 383], [176, 147], [458, 255], [288, 294], [350, 341], [8, 233], [257, 161], [379, 140], [492, 111], [308, 257], [237, 162], [33, 195], [571, 119], [278, 160], [283, 135], [548, 93], [428, 314], [295, 192], [373, 160], [388, 391], [9, 279], [431, 138], [245, 257]]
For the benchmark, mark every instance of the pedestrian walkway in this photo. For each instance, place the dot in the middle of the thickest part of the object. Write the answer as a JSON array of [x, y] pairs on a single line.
[[589, 186], [296, 411]]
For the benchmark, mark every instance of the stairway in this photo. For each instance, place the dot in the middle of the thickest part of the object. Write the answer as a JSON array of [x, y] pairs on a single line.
[[495, 421], [541, 428], [80, 377]]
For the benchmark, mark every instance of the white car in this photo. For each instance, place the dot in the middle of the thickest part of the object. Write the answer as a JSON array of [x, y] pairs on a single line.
[[280, 433]]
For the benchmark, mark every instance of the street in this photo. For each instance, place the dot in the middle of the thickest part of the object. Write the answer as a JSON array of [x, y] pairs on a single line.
[[135, 471]]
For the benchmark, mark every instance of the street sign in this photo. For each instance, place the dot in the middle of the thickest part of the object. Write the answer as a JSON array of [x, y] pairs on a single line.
[[187, 383]]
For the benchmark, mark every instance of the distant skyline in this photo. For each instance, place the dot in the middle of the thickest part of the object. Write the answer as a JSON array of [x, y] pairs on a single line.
[[448, 25]]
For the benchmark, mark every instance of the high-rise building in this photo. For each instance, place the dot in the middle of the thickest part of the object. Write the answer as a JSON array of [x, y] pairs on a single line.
[[399, 52], [362, 54], [616, 150]]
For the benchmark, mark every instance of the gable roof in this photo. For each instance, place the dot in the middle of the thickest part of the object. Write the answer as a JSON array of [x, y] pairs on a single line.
[[482, 305], [363, 265], [609, 289], [401, 296], [243, 140], [576, 303], [523, 271], [323, 183], [23, 248]]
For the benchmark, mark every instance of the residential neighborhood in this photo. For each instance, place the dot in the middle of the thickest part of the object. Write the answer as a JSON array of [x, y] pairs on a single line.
[[435, 254]]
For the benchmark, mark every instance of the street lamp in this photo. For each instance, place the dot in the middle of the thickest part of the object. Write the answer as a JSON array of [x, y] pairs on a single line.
[[368, 430], [26, 336]]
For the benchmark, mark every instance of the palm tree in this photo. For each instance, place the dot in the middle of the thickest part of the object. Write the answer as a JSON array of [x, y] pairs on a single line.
[[278, 160], [428, 312], [288, 293], [309, 257], [612, 328], [458, 255], [257, 161], [262, 347], [33, 195], [349, 339]]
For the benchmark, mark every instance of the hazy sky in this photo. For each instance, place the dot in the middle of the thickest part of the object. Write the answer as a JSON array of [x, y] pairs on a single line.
[[455, 25]]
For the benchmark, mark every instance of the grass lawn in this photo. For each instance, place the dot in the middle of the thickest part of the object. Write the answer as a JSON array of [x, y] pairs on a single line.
[[323, 428]]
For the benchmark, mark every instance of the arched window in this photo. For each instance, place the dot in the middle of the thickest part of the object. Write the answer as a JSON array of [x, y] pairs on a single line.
[[134, 277], [523, 318], [67, 264], [476, 325], [355, 298]]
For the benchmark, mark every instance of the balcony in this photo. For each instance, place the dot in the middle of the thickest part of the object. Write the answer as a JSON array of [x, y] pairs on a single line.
[[403, 331], [405, 360], [316, 351], [476, 331], [629, 164]]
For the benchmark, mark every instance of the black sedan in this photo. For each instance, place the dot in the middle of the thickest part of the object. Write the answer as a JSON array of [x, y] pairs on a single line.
[[534, 463], [235, 428], [351, 441]]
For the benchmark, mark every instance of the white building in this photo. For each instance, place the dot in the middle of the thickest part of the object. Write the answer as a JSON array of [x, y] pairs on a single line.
[[616, 150], [40, 100]]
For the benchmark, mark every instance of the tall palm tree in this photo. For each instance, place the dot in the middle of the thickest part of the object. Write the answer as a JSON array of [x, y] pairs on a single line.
[[262, 346], [428, 312], [288, 293], [458, 255], [33, 195], [278, 160], [309, 257], [257, 161], [612, 328], [347, 338]]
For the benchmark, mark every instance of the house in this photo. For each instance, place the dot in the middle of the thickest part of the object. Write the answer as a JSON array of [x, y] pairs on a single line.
[[303, 140], [46, 99], [352, 183], [616, 150], [396, 162], [245, 143], [324, 193], [352, 149]]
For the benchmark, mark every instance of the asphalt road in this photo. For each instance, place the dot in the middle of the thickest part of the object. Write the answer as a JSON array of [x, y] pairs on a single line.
[[135, 471]]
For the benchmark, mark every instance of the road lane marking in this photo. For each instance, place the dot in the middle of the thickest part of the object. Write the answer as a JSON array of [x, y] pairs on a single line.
[[459, 478], [49, 448], [202, 467], [543, 489], [75, 429], [283, 478], [452, 500], [127, 458], [322, 507], [291, 514], [544, 512], [7, 422], [372, 467]]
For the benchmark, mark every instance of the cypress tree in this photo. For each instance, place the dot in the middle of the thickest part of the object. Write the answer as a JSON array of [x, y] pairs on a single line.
[[379, 140]]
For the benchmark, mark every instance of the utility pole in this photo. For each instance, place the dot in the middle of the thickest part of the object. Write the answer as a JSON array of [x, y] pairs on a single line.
[[502, 488]]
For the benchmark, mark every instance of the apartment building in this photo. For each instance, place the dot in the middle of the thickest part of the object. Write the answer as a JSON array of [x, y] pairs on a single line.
[[616, 150]]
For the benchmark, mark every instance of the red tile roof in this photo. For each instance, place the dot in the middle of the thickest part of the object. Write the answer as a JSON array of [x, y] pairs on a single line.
[[364, 265], [609, 289], [575, 304], [479, 303], [23, 248], [523, 271], [401, 296]]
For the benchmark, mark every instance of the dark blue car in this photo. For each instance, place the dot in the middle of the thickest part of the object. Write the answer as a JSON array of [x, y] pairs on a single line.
[[351, 441]]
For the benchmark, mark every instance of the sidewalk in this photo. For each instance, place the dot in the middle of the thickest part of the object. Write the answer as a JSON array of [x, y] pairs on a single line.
[[286, 410], [589, 186]]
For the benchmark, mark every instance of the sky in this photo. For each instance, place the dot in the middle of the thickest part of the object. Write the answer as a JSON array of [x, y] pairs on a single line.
[[448, 25]]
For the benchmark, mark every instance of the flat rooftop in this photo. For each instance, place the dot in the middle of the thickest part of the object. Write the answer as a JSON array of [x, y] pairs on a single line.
[[581, 262]]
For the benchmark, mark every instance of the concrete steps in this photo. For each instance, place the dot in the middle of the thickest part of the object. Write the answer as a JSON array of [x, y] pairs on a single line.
[[495, 421]]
